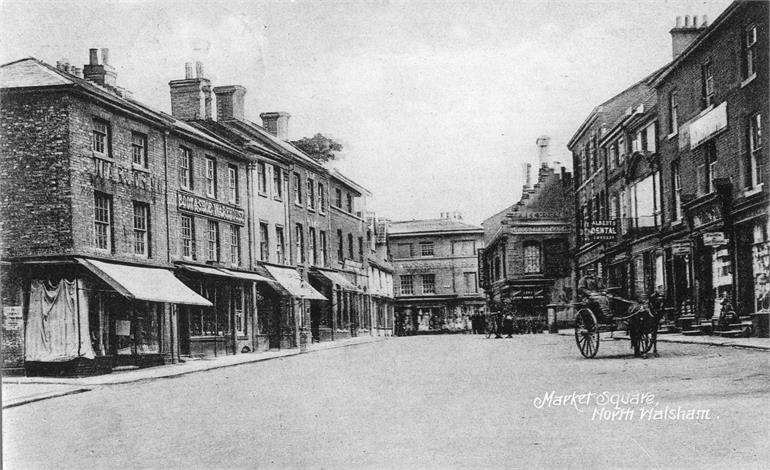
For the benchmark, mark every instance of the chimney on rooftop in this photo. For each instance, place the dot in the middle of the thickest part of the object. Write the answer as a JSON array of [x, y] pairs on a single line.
[[543, 153], [276, 123], [102, 74], [230, 102], [682, 35], [191, 96]]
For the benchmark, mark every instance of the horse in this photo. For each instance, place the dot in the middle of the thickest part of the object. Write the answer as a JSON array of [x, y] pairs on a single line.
[[643, 321]]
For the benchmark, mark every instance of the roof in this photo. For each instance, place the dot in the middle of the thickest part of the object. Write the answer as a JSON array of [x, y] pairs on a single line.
[[232, 135], [335, 173], [663, 73], [431, 226], [32, 73]]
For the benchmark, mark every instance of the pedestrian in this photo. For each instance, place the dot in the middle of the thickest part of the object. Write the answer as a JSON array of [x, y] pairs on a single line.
[[508, 325]]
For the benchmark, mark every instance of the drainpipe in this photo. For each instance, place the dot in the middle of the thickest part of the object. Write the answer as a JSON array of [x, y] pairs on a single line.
[[165, 193], [250, 211]]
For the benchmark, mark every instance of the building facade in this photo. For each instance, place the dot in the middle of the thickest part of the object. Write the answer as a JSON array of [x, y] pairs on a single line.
[[677, 201], [526, 264], [436, 274]]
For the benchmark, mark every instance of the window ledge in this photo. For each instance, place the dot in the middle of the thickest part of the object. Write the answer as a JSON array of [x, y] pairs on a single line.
[[141, 168], [752, 191], [277, 198], [299, 205], [262, 193], [673, 134], [749, 79], [677, 222]]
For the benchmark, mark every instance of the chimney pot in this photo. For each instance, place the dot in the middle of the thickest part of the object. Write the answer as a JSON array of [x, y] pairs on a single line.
[[188, 73], [686, 21], [102, 74], [105, 56], [705, 22], [678, 21], [93, 57], [199, 69]]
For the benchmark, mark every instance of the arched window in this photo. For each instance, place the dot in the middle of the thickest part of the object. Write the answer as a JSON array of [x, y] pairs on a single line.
[[532, 257]]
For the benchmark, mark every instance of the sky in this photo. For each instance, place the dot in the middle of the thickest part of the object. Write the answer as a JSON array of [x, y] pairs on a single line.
[[437, 103]]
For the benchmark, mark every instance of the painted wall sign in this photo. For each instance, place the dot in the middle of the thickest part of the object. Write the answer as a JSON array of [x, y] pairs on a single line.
[[538, 215], [702, 128], [539, 229], [602, 230], [680, 248], [105, 170], [714, 239], [12, 318], [199, 205], [706, 215]]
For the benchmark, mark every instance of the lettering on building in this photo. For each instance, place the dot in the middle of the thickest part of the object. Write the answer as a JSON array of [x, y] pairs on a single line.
[[602, 230], [199, 205], [706, 215], [105, 170], [539, 229]]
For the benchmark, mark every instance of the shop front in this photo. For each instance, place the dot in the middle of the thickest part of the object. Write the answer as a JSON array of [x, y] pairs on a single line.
[[88, 316], [335, 319], [298, 299]]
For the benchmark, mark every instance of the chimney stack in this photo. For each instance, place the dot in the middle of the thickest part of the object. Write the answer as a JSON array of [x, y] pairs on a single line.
[[102, 74], [682, 35], [230, 102], [276, 123], [191, 96], [543, 142]]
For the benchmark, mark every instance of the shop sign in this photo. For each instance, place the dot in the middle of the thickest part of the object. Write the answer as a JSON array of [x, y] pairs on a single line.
[[538, 215], [12, 318], [528, 294], [706, 215], [539, 229], [105, 170], [714, 239], [680, 248], [199, 205], [602, 230], [482, 272], [707, 125]]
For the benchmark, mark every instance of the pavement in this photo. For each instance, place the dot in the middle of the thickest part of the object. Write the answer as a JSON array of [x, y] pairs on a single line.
[[17, 391], [427, 402], [749, 343]]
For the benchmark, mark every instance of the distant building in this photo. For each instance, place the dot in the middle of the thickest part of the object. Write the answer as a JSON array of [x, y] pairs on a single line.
[[436, 272], [526, 261]]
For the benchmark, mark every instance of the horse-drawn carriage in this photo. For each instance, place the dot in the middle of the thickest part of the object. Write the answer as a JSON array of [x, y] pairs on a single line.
[[640, 319]]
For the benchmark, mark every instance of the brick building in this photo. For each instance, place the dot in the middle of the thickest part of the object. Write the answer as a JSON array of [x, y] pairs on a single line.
[[381, 294], [155, 237], [525, 264], [436, 270], [680, 174]]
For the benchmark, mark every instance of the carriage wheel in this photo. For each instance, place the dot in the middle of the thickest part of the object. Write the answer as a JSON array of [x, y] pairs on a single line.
[[586, 333]]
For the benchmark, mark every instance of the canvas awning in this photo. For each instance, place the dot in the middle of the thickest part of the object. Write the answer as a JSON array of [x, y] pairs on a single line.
[[290, 281], [144, 283], [340, 280], [222, 272]]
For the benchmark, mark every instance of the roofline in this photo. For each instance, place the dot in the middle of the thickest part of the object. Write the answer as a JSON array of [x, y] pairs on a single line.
[[336, 174], [697, 42], [436, 232]]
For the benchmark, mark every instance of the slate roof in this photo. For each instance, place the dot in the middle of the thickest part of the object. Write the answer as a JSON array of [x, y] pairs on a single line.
[[431, 225]]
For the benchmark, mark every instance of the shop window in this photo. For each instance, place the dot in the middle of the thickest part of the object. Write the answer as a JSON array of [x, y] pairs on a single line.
[[235, 245], [203, 321], [756, 163], [187, 236], [185, 168], [232, 184], [139, 149], [212, 251], [407, 286], [211, 178], [426, 249], [141, 229], [428, 283], [241, 327], [146, 327], [103, 221], [532, 258]]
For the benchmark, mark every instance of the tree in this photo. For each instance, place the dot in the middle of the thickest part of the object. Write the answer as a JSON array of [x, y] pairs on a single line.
[[319, 147]]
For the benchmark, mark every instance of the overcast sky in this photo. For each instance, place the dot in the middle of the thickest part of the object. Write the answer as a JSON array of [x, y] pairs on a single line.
[[437, 104]]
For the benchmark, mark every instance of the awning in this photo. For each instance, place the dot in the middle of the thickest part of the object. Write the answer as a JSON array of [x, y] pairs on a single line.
[[222, 272], [144, 283], [244, 275], [340, 280], [290, 280]]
